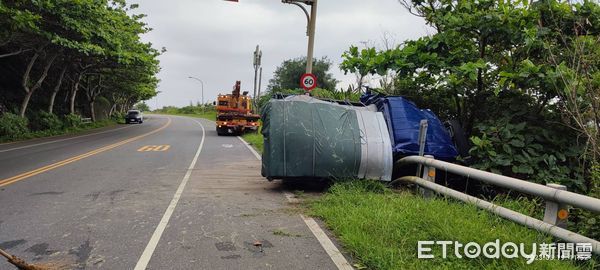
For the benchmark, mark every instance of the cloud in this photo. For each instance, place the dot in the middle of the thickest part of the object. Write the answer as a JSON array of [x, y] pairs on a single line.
[[214, 40]]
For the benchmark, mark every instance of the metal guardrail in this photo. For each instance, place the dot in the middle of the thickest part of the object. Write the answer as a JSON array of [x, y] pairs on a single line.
[[86, 120], [548, 193], [556, 196]]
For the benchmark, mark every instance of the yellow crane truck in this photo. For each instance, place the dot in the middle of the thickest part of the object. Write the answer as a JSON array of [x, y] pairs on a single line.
[[234, 113]]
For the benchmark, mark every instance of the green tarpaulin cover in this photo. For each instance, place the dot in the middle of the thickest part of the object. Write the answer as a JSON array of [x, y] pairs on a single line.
[[307, 137]]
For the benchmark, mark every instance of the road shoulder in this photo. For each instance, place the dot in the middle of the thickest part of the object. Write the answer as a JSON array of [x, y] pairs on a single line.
[[230, 217]]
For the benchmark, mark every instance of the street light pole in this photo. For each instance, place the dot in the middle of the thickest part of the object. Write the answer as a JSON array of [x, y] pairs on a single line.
[[312, 24], [191, 77]]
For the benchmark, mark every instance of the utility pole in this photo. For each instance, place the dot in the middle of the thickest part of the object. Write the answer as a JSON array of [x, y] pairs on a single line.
[[311, 27], [259, 82], [257, 63]]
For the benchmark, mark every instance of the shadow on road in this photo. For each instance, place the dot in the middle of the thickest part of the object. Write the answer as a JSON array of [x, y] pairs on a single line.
[[304, 185]]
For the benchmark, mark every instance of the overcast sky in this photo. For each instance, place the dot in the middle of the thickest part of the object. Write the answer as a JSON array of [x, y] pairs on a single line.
[[214, 39]]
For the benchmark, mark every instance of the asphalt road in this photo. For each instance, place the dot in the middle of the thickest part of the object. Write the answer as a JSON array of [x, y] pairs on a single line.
[[166, 194]]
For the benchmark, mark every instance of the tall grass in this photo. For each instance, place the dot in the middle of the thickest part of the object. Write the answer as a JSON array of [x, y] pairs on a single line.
[[381, 228], [255, 139], [62, 131], [210, 115]]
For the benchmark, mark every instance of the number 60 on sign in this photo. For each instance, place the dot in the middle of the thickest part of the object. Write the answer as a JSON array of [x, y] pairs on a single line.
[[308, 81]]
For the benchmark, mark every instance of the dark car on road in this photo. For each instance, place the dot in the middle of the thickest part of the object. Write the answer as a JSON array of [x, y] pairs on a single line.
[[134, 116]]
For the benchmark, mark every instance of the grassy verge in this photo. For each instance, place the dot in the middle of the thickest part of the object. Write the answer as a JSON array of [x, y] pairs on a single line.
[[255, 139], [58, 132], [210, 115], [380, 228]]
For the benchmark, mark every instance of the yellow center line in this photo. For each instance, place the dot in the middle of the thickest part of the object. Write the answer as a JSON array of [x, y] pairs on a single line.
[[16, 178]]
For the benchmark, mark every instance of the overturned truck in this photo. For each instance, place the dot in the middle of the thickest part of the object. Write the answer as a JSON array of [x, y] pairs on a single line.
[[306, 137]]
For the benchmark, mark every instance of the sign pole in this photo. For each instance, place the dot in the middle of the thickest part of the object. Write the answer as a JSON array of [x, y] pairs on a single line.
[[310, 32], [311, 36]]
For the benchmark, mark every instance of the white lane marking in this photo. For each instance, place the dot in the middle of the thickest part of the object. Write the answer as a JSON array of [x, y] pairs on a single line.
[[61, 140], [256, 154], [334, 253], [149, 250]]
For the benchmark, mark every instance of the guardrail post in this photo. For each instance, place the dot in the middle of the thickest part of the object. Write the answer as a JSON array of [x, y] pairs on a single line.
[[428, 175], [556, 213], [422, 140]]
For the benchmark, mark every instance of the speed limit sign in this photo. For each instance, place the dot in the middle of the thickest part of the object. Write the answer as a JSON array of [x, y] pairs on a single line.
[[308, 81]]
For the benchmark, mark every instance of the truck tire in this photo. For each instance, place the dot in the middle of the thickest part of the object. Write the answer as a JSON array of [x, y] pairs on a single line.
[[238, 131], [221, 131]]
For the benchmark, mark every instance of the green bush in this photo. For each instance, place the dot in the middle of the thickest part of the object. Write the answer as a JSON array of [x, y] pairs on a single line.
[[118, 116], [528, 152], [45, 121], [189, 110], [266, 96], [72, 121], [207, 110], [336, 95], [317, 93], [13, 126], [586, 222], [142, 106]]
